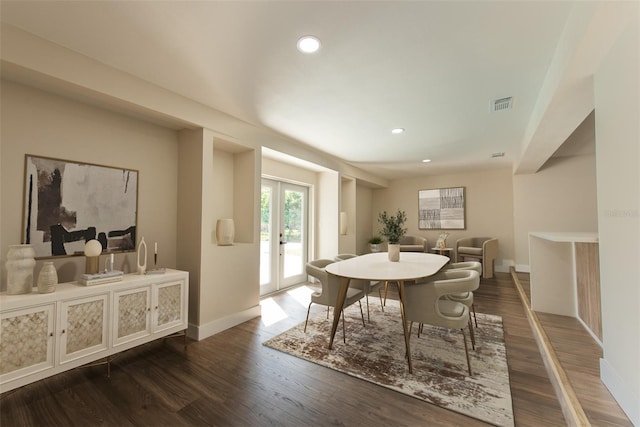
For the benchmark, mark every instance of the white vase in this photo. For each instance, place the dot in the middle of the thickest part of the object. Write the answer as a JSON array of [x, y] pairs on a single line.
[[20, 263], [225, 231], [394, 252], [374, 247], [48, 278], [142, 265]]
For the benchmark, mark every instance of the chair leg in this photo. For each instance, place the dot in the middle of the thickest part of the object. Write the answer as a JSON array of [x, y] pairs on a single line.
[[368, 314], [327, 312], [473, 306], [344, 330], [380, 295], [307, 319], [362, 314], [472, 333], [466, 349]]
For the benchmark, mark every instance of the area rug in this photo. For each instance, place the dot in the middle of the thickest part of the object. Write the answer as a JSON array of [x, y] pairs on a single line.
[[375, 353]]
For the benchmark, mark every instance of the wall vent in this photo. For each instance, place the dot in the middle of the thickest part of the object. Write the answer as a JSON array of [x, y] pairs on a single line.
[[502, 104]]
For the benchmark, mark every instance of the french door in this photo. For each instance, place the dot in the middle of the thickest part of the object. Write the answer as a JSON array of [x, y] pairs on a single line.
[[283, 235]]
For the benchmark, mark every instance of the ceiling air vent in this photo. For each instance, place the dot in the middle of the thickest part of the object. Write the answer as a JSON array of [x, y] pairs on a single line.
[[502, 104]]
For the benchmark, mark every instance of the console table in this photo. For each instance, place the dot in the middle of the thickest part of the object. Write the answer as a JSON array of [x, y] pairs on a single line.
[[44, 334]]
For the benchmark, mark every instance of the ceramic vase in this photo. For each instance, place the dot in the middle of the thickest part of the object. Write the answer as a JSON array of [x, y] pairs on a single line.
[[142, 265], [394, 252], [20, 264], [48, 278], [374, 247], [225, 231]]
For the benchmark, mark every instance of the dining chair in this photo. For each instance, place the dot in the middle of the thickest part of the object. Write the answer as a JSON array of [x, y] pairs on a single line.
[[426, 302], [466, 297], [329, 292], [367, 286]]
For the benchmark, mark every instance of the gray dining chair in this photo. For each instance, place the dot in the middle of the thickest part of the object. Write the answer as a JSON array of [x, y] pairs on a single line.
[[426, 302], [466, 297], [329, 293]]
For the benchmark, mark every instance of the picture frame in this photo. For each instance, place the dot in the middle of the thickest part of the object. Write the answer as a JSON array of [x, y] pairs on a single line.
[[67, 203], [442, 209]]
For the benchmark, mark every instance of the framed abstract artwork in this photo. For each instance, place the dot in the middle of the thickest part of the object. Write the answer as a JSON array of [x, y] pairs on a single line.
[[441, 209], [68, 203]]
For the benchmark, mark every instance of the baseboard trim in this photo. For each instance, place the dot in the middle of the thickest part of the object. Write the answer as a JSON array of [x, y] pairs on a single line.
[[625, 398], [200, 332], [571, 408]]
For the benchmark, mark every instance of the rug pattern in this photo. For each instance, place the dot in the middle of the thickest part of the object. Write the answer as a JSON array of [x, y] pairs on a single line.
[[375, 353]]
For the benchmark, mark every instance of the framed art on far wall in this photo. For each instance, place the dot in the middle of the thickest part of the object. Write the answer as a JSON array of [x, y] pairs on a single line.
[[441, 209], [67, 203]]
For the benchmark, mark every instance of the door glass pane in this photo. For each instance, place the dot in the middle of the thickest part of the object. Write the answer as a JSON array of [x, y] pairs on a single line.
[[293, 232], [266, 226]]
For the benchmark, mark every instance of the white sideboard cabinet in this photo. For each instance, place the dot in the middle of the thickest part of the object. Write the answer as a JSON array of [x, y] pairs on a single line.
[[45, 334]]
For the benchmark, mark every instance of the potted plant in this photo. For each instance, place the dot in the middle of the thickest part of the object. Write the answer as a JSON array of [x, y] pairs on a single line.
[[393, 230], [374, 243]]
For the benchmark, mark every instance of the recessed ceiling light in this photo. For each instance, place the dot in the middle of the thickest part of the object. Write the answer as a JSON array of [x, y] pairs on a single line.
[[500, 154], [397, 130], [426, 160], [308, 44]]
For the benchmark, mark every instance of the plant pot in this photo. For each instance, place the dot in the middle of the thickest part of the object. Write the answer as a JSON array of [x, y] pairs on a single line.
[[394, 252], [374, 247]]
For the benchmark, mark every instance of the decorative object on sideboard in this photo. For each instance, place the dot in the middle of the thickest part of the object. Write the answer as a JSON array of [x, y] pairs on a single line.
[[142, 266], [441, 209], [101, 278], [20, 264], [100, 202], [343, 223], [442, 240], [109, 263], [92, 251], [155, 269], [225, 230], [47, 278], [393, 230], [374, 244]]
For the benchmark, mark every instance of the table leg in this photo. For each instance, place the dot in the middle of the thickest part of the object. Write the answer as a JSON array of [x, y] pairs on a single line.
[[342, 296], [404, 324]]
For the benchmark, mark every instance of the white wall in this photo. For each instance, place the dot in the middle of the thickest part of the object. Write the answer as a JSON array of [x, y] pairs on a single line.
[[42, 124], [327, 213], [560, 197], [364, 201], [617, 98], [347, 243], [489, 207]]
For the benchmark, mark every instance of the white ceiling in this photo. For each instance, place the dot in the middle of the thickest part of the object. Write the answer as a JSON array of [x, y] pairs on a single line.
[[430, 67]]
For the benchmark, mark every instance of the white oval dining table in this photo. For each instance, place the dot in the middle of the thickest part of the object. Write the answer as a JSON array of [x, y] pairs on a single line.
[[377, 267]]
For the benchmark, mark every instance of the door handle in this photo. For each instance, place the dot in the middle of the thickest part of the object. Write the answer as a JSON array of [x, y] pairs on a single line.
[[283, 243]]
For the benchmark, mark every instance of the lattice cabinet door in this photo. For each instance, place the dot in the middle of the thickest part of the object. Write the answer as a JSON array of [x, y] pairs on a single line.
[[169, 305], [133, 315], [26, 342], [83, 327]]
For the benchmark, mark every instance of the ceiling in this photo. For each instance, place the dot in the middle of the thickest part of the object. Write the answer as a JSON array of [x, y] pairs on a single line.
[[432, 68]]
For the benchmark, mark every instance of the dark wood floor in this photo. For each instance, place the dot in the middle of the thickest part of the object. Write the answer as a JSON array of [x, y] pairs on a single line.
[[230, 379], [579, 355]]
